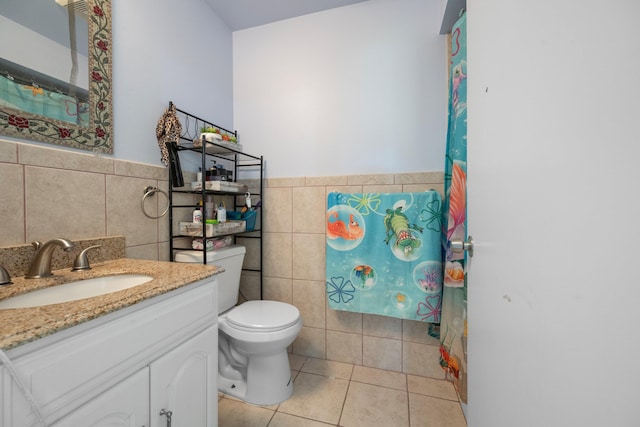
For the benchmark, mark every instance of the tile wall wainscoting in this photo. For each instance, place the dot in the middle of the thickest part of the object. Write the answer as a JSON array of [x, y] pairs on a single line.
[[48, 193], [294, 272]]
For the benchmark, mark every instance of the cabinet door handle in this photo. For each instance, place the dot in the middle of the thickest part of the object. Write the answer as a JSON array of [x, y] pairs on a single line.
[[168, 414]]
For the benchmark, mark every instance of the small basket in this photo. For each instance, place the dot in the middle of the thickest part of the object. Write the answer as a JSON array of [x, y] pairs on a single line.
[[249, 217], [195, 229]]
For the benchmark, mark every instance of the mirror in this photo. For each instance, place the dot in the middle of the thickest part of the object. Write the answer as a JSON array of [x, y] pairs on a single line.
[[59, 89]]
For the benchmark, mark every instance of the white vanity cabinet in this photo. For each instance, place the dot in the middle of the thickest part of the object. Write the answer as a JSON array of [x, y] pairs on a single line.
[[124, 405], [123, 368]]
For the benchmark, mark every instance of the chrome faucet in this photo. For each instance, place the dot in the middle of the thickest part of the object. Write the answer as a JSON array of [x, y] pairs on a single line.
[[41, 265]]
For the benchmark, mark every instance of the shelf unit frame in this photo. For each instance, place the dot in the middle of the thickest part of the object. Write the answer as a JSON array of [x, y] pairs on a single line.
[[241, 161]]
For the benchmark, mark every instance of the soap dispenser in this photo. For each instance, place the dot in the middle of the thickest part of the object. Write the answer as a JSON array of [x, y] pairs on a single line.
[[222, 213]]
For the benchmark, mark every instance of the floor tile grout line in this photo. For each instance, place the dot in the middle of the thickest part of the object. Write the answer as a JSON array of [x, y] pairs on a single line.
[[408, 407], [344, 402], [272, 416], [381, 386], [434, 397]]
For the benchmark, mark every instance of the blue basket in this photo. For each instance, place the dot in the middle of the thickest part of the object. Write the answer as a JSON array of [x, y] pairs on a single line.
[[248, 216]]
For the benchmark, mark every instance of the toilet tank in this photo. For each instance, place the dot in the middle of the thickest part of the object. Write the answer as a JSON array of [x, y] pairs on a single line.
[[230, 258]]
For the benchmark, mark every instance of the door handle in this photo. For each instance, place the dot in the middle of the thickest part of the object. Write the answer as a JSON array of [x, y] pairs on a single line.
[[460, 246], [168, 414]]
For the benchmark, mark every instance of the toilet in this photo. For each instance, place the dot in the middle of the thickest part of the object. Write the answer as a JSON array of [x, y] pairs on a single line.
[[253, 337]]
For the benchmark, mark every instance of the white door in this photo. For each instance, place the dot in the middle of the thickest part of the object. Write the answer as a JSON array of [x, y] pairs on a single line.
[[553, 202], [183, 383]]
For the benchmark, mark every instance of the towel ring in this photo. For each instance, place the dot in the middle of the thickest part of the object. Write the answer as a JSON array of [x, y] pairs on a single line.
[[150, 191]]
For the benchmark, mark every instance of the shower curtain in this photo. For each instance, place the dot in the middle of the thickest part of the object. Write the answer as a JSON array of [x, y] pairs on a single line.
[[383, 254], [453, 326]]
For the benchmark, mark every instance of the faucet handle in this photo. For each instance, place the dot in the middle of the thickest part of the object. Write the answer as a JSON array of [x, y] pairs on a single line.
[[82, 261], [5, 278]]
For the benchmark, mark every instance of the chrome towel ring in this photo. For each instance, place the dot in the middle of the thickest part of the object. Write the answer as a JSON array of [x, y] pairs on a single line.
[[150, 191]]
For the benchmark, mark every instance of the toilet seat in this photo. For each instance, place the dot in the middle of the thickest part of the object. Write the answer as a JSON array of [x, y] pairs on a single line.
[[263, 316]]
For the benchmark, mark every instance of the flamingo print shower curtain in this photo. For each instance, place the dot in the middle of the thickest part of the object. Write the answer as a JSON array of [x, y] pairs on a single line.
[[453, 326]]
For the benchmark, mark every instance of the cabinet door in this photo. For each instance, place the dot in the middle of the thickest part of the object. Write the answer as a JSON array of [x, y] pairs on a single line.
[[124, 405], [184, 382]]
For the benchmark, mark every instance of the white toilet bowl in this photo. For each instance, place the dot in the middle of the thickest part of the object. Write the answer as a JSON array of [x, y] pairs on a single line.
[[253, 337]]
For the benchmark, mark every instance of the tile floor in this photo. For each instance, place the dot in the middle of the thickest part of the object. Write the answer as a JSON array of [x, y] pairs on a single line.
[[330, 393]]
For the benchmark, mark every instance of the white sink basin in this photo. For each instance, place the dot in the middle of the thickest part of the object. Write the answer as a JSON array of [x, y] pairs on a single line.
[[73, 291]]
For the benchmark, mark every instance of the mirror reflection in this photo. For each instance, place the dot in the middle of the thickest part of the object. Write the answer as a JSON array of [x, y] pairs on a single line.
[[48, 78], [55, 72]]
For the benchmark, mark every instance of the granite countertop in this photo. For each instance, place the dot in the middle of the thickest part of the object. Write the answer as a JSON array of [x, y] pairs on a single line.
[[21, 325]]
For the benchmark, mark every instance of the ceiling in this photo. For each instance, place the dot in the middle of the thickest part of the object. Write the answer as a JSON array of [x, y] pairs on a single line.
[[242, 14]]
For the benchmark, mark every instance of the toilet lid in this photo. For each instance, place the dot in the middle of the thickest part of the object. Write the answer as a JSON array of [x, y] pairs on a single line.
[[263, 315]]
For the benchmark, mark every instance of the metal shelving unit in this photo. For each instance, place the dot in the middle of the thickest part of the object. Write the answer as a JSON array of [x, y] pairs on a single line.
[[226, 153]]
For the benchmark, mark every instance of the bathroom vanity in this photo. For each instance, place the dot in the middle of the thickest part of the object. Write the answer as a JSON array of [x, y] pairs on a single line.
[[145, 356]]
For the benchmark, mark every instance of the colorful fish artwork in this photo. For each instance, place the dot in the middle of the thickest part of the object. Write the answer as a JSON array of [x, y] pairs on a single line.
[[337, 229], [397, 224], [383, 254], [457, 199]]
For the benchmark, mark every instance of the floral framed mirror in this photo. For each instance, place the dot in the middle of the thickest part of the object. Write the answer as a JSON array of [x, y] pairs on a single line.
[[58, 90]]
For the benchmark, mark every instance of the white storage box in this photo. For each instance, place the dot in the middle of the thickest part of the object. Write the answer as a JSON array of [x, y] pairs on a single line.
[[218, 146], [195, 229], [212, 256], [232, 187], [213, 243]]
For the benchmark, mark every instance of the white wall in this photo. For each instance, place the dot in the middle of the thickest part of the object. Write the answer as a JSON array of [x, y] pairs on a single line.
[[353, 90], [358, 89], [180, 52], [553, 207]]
